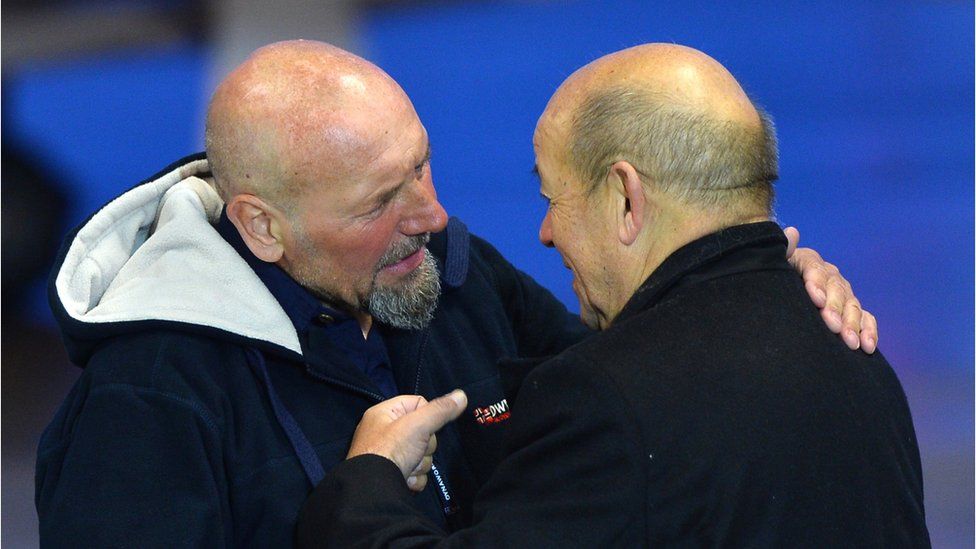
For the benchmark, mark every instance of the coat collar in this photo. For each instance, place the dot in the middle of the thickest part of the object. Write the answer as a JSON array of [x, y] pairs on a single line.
[[737, 249]]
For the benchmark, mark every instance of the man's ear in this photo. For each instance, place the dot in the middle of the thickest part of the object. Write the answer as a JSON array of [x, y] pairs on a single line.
[[259, 226], [630, 202]]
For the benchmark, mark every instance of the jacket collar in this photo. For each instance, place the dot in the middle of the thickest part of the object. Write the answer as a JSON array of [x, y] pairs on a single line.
[[299, 304], [738, 249]]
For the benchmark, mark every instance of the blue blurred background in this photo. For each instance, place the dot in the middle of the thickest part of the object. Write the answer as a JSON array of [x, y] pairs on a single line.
[[873, 103]]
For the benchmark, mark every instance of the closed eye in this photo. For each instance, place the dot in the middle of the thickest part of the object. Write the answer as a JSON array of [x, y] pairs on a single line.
[[418, 170], [377, 210], [383, 202]]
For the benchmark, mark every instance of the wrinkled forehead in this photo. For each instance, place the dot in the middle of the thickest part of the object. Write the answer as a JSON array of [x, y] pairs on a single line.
[[392, 143], [551, 135], [556, 118], [370, 148]]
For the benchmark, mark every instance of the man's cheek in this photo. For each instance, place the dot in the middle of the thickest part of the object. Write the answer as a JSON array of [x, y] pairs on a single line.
[[366, 259]]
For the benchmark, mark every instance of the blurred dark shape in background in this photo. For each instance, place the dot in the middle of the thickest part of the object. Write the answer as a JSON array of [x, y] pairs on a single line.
[[42, 31], [33, 219], [36, 373], [36, 212]]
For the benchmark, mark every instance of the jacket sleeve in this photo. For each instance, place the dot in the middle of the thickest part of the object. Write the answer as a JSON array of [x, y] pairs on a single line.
[[131, 467], [572, 477]]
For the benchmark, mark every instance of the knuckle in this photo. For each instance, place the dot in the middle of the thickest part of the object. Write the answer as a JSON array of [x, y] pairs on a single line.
[[835, 297], [809, 254], [840, 286], [372, 412], [812, 274], [869, 322], [801, 258]]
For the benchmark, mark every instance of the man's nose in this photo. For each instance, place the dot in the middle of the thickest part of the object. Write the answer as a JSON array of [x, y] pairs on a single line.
[[426, 214], [545, 231]]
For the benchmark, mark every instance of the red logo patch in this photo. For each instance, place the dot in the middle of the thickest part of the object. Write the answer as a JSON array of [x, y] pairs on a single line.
[[495, 413]]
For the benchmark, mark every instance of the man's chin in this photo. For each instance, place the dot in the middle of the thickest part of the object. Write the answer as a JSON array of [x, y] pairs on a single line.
[[408, 302]]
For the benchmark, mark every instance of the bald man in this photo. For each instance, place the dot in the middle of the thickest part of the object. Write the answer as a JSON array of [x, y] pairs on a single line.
[[754, 427], [237, 314]]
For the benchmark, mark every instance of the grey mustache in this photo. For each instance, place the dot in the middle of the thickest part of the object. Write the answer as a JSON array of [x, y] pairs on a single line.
[[403, 249]]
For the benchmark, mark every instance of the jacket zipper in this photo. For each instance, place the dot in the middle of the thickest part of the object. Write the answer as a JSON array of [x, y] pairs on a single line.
[[448, 505], [420, 359]]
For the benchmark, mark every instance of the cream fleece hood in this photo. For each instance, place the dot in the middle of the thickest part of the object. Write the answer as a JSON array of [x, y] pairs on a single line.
[[153, 254]]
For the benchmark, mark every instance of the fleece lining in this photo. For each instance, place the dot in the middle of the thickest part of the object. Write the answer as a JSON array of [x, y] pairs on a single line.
[[154, 254]]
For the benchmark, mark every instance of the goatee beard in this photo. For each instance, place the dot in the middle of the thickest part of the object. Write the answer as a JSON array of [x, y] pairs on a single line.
[[409, 305]]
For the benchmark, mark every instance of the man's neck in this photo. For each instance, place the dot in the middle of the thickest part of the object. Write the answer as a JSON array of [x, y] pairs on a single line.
[[674, 232], [365, 322], [364, 319]]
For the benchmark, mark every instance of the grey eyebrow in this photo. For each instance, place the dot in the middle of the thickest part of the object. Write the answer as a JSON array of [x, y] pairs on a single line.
[[388, 195], [426, 156]]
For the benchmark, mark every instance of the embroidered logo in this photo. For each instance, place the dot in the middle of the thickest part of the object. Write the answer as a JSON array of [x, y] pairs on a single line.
[[495, 413]]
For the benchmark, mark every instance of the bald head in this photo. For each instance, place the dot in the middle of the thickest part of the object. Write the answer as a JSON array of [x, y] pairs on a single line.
[[678, 116], [683, 76], [296, 113]]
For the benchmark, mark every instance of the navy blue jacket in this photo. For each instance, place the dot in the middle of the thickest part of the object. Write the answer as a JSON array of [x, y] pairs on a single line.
[[199, 421]]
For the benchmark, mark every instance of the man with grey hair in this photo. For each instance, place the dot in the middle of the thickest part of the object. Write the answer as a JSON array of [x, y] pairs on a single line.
[[233, 338], [713, 409], [708, 161]]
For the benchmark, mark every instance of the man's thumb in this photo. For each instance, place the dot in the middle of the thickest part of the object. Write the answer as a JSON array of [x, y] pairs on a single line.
[[792, 240], [441, 410]]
